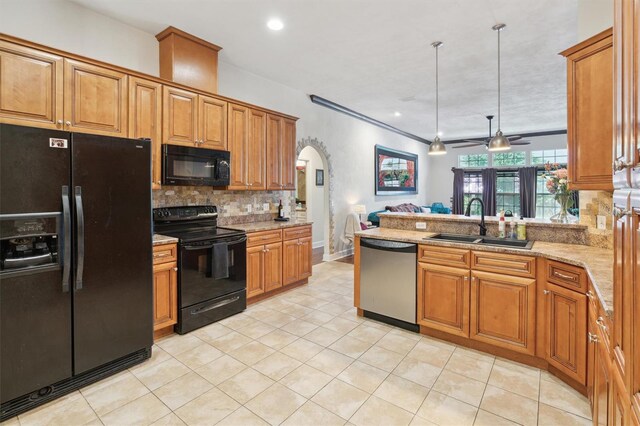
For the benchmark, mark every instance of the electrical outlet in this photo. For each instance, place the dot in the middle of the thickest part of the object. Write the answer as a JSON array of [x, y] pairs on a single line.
[[249, 208], [601, 221], [421, 225], [266, 207]]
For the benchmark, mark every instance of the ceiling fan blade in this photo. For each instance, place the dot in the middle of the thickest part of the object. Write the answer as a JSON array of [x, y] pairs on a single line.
[[521, 143], [468, 145], [475, 141], [514, 137]]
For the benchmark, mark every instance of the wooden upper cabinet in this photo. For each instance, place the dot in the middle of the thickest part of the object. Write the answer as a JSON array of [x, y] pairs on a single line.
[[179, 116], [256, 150], [503, 311], [31, 84], [565, 321], [288, 164], [275, 131], [238, 127], [590, 112], [95, 99], [212, 123], [145, 116], [443, 298]]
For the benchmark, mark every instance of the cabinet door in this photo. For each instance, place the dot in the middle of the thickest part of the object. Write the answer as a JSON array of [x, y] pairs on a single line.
[[165, 295], [256, 150], [601, 382], [238, 136], [566, 334], [443, 298], [589, 105], [288, 165], [179, 116], [305, 250], [274, 151], [273, 266], [255, 271], [503, 311], [619, 413], [145, 115], [290, 262], [635, 380], [30, 87], [592, 353], [95, 99], [622, 284], [212, 123]]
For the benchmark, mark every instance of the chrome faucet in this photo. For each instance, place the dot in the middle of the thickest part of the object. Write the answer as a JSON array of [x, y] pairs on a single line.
[[483, 228]]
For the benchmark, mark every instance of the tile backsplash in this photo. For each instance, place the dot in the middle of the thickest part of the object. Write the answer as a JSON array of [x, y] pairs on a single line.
[[592, 205], [233, 206]]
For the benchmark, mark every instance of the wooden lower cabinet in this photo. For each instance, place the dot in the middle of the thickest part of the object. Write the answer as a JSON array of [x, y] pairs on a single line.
[[620, 407], [296, 260], [264, 269], [165, 289], [565, 330], [503, 311], [599, 374], [443, 298]]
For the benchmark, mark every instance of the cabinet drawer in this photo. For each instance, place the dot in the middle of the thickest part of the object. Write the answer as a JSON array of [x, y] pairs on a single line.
[[502, 263], [165, 253], [264, 237], [446, 256], [567, 276], [297, 232]]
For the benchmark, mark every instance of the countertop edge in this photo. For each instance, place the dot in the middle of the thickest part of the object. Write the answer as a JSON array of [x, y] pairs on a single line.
[[159, 239], [265, 226]]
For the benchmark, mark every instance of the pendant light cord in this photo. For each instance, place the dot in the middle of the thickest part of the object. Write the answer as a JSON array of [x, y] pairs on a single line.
[[499, 31], [437, 97]]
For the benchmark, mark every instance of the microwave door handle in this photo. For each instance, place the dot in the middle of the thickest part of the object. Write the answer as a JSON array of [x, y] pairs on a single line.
[[66, 256]]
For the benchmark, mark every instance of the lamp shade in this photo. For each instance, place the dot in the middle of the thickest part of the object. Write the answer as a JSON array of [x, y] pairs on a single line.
[[359, 208], [437, 147], [499, 142]]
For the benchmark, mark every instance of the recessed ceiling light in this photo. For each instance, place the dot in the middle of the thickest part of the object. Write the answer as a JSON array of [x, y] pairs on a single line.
[[275, 24], [397, 114]]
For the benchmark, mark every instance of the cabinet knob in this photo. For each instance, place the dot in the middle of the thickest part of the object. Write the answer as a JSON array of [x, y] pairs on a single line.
[[619, 165], [600, 322], [593, 338], [590, 294], [60, 121], [68, 123], [546, 292], [175, 269]]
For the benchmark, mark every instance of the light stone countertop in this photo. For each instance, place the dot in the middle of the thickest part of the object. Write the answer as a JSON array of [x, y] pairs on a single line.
[[598, 262], [267, 225], [159, 239], [475, 219]]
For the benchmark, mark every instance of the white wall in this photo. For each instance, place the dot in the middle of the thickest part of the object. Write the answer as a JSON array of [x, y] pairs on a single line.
[[350, 142], [594, 16], [315, 194], [76, 29], [440, 184]]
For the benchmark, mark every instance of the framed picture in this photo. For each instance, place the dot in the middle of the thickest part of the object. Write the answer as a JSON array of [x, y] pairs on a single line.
[[396, 172], [319, 177]]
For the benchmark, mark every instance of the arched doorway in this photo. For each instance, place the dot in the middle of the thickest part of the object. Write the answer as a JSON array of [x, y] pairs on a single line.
[[312, 156]]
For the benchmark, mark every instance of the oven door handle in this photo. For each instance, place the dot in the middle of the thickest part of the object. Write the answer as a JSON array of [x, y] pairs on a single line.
[[229, 242]]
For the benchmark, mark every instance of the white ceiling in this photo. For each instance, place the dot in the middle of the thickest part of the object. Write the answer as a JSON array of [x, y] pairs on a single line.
[[374, 56]]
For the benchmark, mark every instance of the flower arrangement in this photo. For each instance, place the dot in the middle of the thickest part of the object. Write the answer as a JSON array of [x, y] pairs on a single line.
[[557, 183]]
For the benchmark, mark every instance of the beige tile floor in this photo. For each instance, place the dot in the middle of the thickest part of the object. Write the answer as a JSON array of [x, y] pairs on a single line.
[[305, 358]]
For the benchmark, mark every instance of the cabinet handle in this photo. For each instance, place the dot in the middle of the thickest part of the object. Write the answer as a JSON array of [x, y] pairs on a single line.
[[60, 121], [157, 255], [590, 294], [600, 322], [563, 276], [466, 278], [175, 269], [592, 338], [619, 213], [68, 123], [619, 165], [546, 292]]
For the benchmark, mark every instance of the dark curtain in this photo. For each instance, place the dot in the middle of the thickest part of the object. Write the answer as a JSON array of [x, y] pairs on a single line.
[[528, 182], [458, 191], [489, 183]]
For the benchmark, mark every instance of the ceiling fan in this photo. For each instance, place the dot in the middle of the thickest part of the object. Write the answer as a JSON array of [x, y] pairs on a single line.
[[485, 142]]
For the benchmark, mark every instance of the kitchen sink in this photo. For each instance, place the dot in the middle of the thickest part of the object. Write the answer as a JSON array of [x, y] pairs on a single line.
[[483, 241]]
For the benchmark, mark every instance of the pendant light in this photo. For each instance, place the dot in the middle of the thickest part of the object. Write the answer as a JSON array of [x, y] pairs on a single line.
[[499, 142], [437, 147]]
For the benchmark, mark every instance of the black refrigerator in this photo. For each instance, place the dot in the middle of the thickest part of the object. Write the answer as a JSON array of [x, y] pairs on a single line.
[[76, 281]]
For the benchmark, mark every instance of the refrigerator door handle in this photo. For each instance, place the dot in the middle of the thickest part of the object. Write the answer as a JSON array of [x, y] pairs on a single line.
[[79, 237], [66, 216]]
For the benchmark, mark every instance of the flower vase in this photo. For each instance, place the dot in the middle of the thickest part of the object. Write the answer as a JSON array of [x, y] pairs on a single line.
[[563, 216]]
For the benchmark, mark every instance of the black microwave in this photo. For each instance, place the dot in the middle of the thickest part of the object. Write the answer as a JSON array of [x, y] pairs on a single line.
[[184, 165]]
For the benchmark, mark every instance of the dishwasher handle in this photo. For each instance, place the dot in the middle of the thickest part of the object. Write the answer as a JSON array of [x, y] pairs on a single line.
[[386, 245]]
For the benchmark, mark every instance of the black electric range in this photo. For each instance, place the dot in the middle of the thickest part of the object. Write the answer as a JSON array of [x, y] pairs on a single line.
[[211, 265]]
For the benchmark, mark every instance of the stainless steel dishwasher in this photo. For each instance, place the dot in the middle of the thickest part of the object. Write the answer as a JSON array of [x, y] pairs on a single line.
[[388, 281]]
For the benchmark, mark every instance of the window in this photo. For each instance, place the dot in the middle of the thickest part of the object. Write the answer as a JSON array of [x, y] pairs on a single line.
[[546, 205], [472, 188], [510, 159], [473, 160], [549, 156], [508, 192]]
